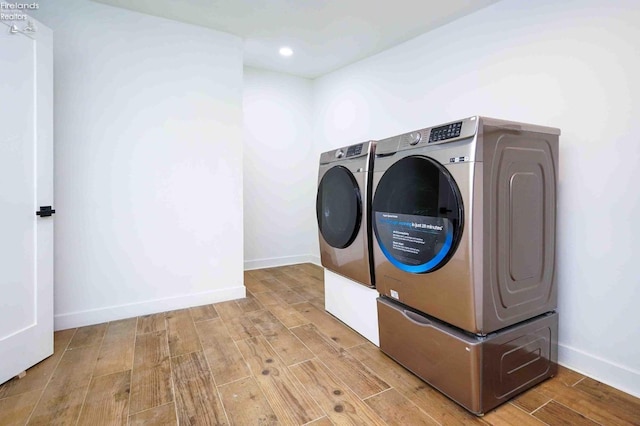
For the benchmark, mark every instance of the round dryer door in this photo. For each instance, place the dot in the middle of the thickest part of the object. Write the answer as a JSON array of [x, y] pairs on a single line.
[[339, 207], [417, 214]]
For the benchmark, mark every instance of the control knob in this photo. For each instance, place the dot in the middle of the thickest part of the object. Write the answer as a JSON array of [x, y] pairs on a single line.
[[339, 153], [414, 138]]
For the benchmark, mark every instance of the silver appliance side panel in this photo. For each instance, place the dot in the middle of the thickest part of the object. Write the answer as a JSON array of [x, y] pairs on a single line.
[[519, 220]]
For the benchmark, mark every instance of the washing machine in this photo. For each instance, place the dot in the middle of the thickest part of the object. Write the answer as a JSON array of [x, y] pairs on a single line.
[[342, 207], [464, 256], [464, 217]]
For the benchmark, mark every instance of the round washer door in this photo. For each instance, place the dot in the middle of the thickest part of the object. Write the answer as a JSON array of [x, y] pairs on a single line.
[[339, 207], [418, 214]]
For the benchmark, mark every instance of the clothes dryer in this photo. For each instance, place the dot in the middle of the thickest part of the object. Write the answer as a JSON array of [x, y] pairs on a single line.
[[464, 221], [343, 204]]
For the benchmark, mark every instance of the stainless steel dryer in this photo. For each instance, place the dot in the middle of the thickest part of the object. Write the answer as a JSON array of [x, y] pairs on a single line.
[[464, 221], [342, 207]]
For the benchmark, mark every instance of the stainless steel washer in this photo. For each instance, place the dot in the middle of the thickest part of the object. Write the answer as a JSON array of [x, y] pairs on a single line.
[[464, 221]]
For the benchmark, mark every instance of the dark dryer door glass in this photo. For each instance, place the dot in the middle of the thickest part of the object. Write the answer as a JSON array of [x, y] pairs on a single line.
[[339, 207], [417, 214]]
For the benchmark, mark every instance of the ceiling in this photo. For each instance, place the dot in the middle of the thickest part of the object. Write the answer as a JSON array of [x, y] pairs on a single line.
[[324, 34]]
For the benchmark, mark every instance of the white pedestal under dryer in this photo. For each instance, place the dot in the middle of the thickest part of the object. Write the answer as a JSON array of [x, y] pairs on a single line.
[[343, 204], [464, 217]]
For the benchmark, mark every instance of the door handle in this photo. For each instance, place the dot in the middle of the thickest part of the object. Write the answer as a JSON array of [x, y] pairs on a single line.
[[45, 211]]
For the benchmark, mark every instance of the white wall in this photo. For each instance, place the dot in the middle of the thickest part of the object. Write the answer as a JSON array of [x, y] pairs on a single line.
[[280, 170], [148, 163], [570, 64]]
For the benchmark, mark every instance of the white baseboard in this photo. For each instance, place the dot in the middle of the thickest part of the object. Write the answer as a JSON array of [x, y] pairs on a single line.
[[315, 260], [280, 261], [612, 374], [112, 313]]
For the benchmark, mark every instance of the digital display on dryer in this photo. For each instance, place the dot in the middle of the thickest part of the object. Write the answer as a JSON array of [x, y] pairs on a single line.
[[354, 150], [414, 243]]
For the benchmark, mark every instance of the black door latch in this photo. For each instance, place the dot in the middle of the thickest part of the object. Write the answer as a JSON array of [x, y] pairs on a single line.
[[45, 211]]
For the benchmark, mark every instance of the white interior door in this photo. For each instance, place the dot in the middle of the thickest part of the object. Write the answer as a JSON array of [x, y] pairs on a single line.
[[26, 183]]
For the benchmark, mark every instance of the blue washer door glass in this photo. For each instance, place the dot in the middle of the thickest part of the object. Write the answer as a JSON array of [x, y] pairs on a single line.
[[417, 214], [339, 207]]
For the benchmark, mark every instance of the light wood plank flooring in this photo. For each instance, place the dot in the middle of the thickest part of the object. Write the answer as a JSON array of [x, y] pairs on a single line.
[[275, 357]]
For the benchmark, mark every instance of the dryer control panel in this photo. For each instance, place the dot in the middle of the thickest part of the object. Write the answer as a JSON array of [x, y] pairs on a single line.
[[354, 150], [348, 154]]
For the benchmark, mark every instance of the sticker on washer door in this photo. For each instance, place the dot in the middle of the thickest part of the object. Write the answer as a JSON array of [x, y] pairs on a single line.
[[413, 243]]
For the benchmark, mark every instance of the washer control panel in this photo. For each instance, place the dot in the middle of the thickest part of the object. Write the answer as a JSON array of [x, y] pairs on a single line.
[[448, 131], [441, 136]]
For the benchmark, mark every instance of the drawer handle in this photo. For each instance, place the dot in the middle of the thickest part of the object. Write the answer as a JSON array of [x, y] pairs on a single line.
[[416, 319]]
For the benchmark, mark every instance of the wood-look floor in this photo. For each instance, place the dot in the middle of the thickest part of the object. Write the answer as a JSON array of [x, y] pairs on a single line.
[[275, 357]]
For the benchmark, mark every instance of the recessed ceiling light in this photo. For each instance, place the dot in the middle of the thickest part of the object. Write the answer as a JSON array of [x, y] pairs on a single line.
[[286, 51]]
